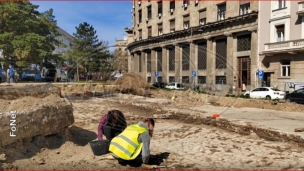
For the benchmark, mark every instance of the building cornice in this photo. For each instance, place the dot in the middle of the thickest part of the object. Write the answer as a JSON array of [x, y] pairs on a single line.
[[203, 29]]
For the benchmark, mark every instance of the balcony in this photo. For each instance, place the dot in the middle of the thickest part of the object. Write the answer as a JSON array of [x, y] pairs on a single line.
[[291, 47], [301, 8]]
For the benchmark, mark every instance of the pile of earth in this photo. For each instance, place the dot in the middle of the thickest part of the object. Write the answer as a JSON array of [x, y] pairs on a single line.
[[132, 83]]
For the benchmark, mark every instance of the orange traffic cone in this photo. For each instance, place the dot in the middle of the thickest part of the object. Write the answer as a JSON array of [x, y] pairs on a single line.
[[216, 115]]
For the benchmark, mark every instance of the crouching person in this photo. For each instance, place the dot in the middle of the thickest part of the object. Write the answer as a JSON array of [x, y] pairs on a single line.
[[111, 124], [132, 146]]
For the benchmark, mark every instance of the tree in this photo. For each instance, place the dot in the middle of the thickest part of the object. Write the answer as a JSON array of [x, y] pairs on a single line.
[[87, 51], [26, 34], [120, 60]]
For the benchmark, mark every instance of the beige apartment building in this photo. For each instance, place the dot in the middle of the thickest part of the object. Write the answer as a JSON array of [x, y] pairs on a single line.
[[216, 39], [281, 42], [121, 54]]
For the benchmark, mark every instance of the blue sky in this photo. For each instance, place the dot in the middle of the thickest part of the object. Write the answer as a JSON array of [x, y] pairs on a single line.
[[108, 18]]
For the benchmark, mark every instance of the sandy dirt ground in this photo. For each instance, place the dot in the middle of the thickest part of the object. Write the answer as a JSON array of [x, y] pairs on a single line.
[[175, 145]]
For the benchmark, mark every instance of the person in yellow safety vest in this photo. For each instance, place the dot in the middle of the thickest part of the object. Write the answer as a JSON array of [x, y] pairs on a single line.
[[132, 146]]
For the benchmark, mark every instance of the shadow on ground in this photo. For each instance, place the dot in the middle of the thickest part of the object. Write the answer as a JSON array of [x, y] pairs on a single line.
[[28, 148], [153, 160], [81, 136], [158, 158]]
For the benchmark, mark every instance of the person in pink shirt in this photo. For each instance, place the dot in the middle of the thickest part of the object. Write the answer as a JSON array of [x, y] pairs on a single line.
[[111, 124]]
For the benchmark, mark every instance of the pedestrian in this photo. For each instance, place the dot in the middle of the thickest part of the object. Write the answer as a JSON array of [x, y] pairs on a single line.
[[132, 146], [111, 124], [7, 75], [11, 74], [16, 76]]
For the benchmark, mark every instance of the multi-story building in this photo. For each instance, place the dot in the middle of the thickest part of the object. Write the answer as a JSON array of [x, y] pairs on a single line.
[[121, 54], [216, 39], [65, 41], [281, 42]]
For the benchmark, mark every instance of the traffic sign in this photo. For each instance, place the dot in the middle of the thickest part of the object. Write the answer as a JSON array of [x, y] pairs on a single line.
[[193, 73], [260, 74], [156, 74]]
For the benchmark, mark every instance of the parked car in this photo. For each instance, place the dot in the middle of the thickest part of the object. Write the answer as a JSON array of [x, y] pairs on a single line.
[[3, 76], [159, 84], [177, 86], [266, 92], [296, 96], [28, 75]]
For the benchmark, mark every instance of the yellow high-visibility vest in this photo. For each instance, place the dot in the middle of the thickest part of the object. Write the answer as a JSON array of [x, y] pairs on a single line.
[[126, 145]]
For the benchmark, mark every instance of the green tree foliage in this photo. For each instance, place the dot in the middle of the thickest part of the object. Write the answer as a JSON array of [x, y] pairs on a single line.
[[25, 33], [87, 51]]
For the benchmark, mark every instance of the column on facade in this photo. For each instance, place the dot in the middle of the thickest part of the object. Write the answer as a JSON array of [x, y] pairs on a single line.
[[131, 62], [178, 63], [136, 62], [210, 79], [254, 57], [165, 66], [193, 61], [144, 64], [229, 61], [153, 65]]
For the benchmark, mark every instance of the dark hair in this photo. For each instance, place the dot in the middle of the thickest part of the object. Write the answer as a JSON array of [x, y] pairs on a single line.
[[114, 115], [152, 121]]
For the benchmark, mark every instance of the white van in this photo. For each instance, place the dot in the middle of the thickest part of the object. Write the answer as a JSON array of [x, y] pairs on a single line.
[[175, 85], [49, 74]]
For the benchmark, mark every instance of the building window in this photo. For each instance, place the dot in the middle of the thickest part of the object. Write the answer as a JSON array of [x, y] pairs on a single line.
[[160, 29], [159, 60], [280, 33], [244, 42], [140, 34], [221, 12], [171, 79], [159, 79], [221, 54], [150, 32], [185, 58], [149, 62], [282, 4], [172, 26], [172, 6], [149, 79], [172, 59], [285, 68], [202, 56], [160, 8], [244, 7], [186, 22], [201, 79], [220, 79], [202, 17], [185, 79], [149, 12], [139, 16]]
